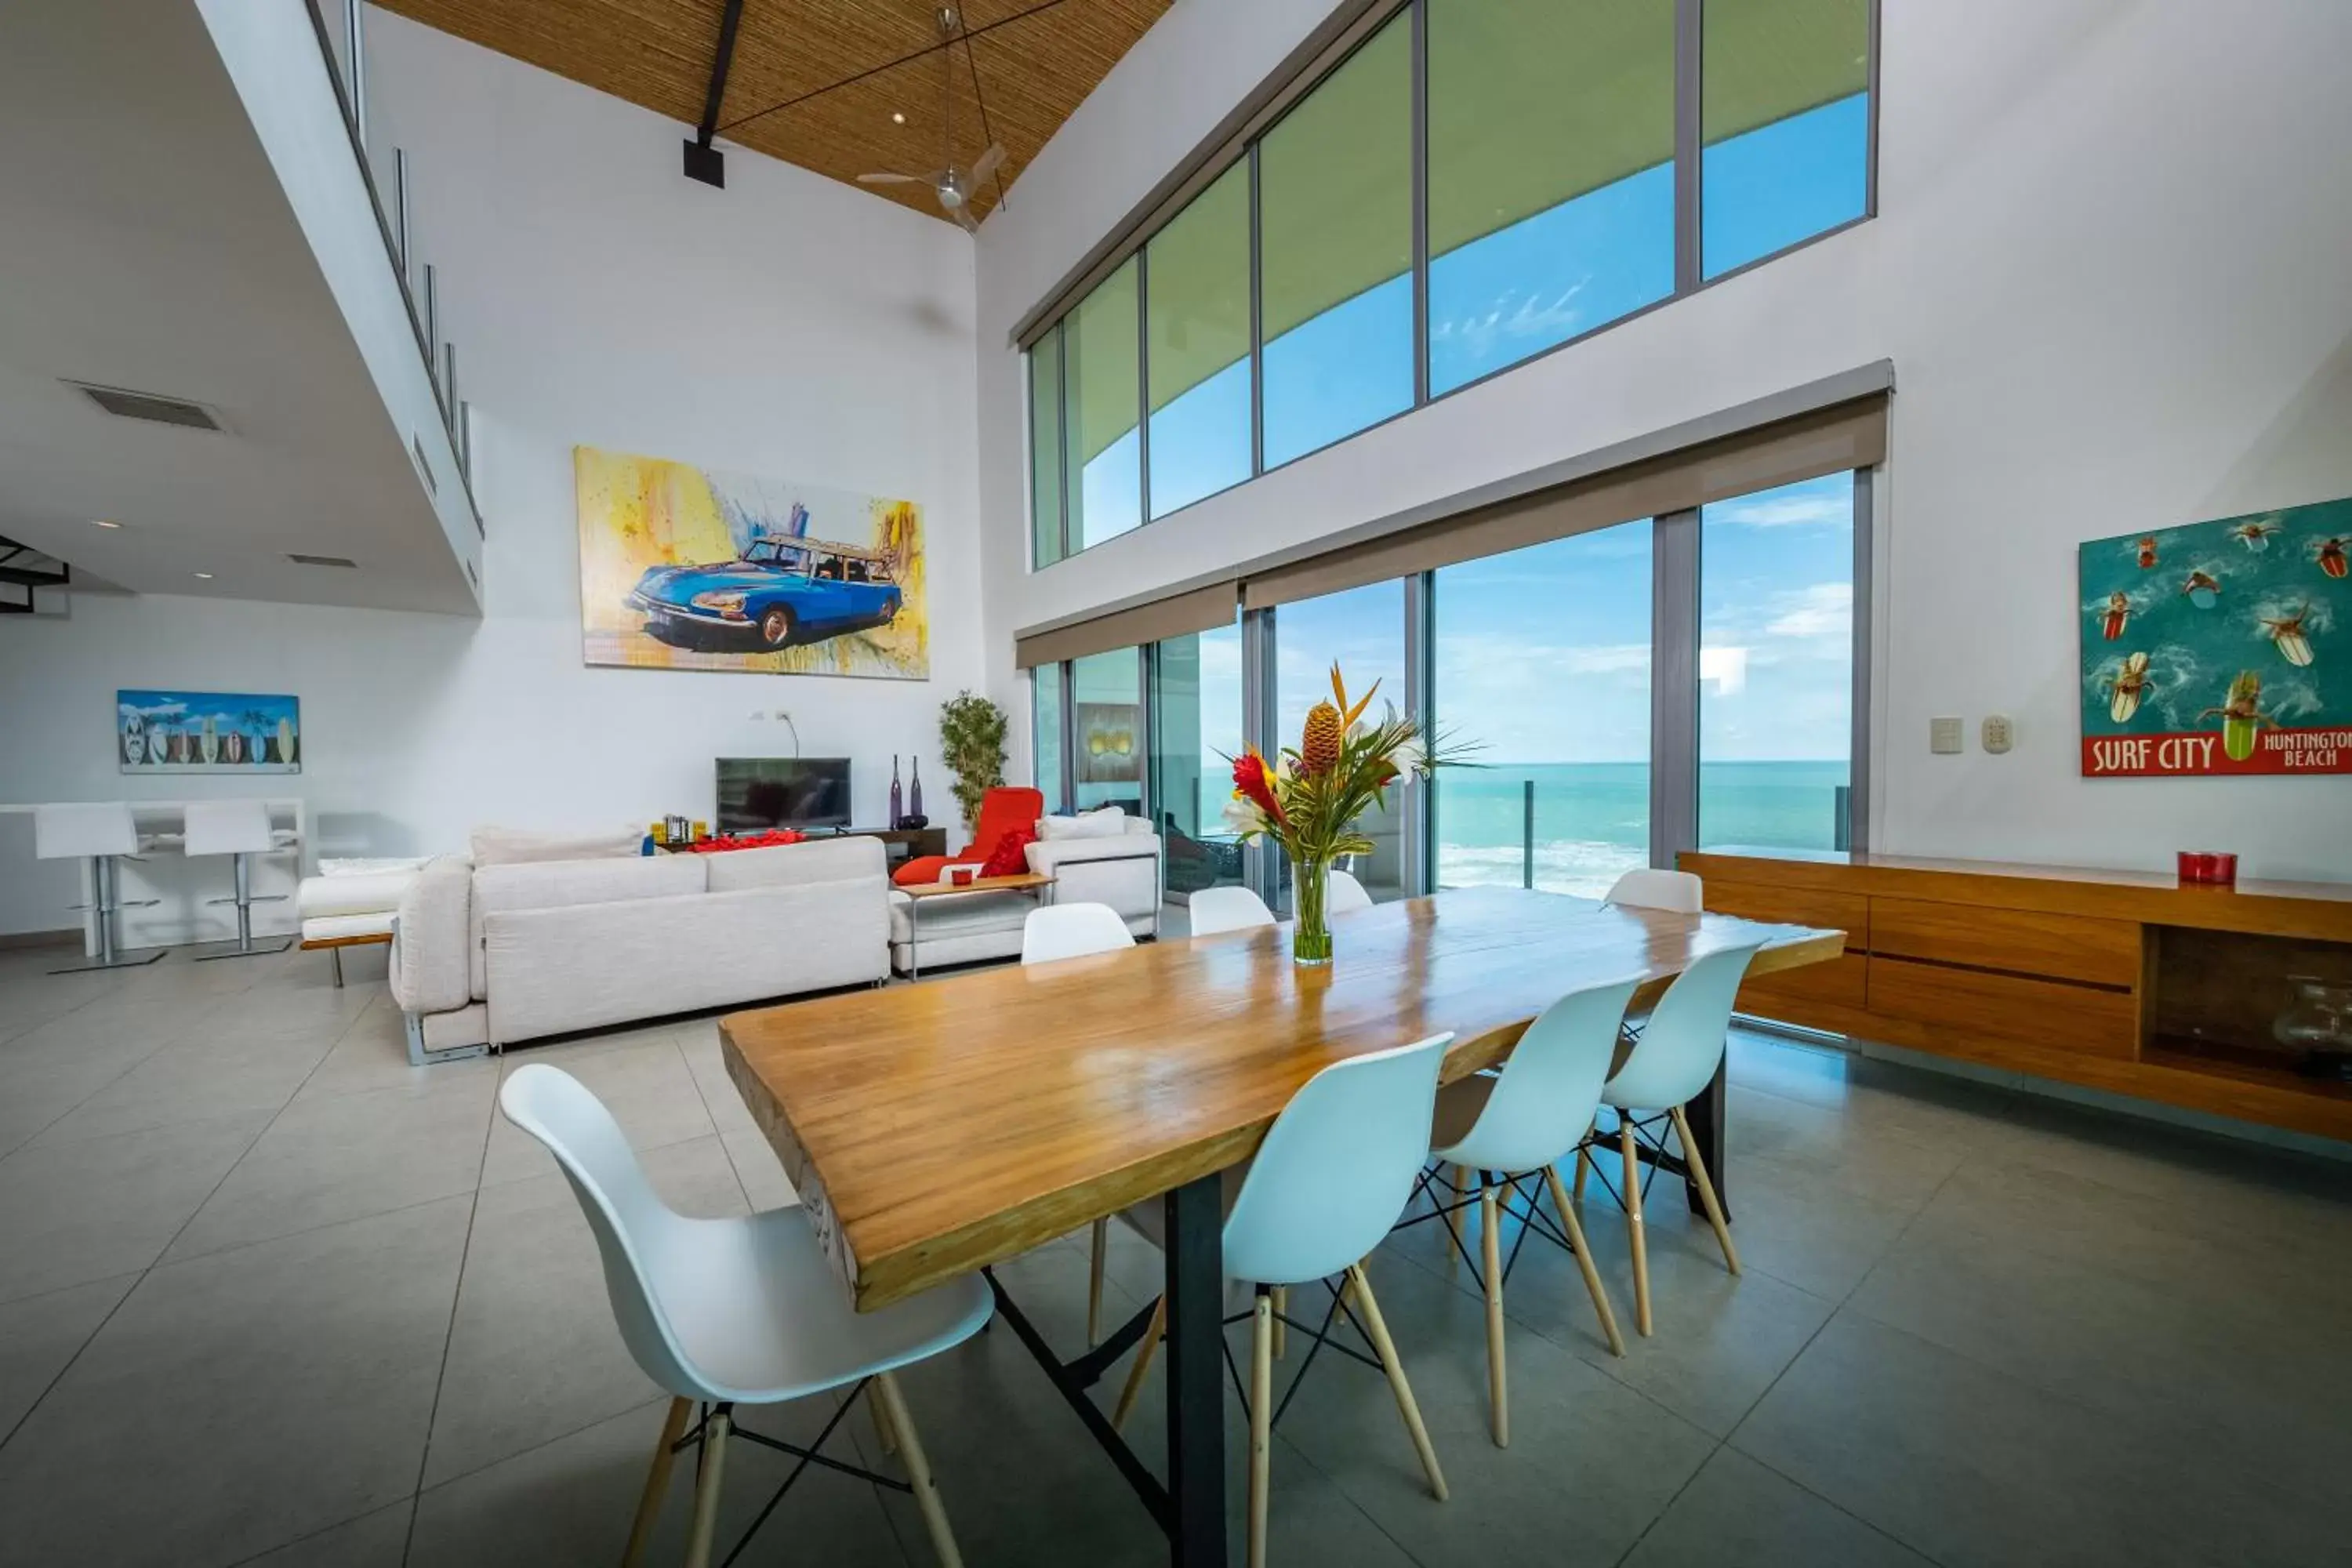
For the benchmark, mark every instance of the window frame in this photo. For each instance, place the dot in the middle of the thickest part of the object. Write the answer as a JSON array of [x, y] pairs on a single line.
[[1218, 159]]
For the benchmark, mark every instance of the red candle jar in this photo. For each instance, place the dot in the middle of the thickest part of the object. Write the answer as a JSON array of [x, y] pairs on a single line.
[[2208, 869]]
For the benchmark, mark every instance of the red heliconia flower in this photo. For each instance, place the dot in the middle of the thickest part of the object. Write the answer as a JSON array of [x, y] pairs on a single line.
[[1254, 779]]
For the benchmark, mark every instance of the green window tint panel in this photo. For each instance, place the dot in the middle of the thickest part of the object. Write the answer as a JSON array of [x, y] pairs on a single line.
[[1197, 346], [1551, 182], [1335, 223], [1785, 123], [1046, 451], [1103, 394], [1049, 732]]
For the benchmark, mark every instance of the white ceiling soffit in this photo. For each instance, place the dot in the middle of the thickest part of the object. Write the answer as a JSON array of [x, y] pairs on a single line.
[[150, 249]]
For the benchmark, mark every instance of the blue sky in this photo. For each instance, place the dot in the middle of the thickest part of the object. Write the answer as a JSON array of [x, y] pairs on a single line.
[[1544, 655]]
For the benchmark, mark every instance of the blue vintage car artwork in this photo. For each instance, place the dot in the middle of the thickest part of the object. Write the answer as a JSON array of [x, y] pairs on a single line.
[[780, 592]]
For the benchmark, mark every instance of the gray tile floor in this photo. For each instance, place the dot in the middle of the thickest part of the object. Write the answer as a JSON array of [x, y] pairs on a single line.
[[268, 1295]]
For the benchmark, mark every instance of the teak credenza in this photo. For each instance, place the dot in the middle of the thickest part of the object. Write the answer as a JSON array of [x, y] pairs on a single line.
[[2119, 980]]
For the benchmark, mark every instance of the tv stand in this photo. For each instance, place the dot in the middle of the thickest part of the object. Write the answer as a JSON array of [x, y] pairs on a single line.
[[898, 842]]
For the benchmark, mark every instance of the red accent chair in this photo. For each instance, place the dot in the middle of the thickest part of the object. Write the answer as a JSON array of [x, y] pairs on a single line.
[[1001, 811]]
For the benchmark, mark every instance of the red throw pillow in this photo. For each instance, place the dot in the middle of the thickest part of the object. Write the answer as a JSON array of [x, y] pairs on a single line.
[[1011, 856]]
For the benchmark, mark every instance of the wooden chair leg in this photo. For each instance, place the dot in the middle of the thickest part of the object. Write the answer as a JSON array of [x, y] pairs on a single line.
[[1633, 1223], [1378, 1333], [1490, 1241], [1453, 1220], [1261, 1420], [1599, 1293], [918, 1472], [1095, 1281], [883, 1433], [1713, 1205], [705, 1489], [1584, 1161], [641, 1530], [1143, 1355], [1281, 1304]]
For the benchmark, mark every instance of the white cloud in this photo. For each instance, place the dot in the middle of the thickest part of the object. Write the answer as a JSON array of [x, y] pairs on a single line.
[[1779, 510], [1821, 610], [1726, 666]]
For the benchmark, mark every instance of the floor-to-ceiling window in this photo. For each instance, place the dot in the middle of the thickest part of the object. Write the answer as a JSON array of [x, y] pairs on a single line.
[[1776, 666], [1785, 120], [1102, 393], [1197, 317], [1542, 656], [1361, 630], [1551, 176], [1047, 731], [1107, 739], [1196, 728], [1335, 217]]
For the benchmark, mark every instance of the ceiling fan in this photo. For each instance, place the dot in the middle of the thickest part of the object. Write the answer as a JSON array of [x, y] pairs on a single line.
[[954, 187]]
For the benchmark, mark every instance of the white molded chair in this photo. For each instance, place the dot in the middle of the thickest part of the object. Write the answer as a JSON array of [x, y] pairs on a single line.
[[240, 830], [1218, 909], [1077, 931], [1072, 930], [1325, 1185], [1678, 891], [1344, 895], [1525, 1118], [1674, 1061], [100, 833], [726, 1312]]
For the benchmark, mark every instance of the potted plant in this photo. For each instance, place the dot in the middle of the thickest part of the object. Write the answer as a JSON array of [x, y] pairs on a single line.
[[971, 741]]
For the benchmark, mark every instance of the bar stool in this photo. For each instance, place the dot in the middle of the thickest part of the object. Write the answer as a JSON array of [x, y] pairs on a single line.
[[100, 833], [238, 829]]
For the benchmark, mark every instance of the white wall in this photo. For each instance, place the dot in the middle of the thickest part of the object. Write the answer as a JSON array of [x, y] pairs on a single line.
[[788, 325], [2108, 270]]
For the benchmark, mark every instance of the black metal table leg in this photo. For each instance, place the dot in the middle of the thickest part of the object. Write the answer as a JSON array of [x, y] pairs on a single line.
[[1196, 1393], [1706, 1117]]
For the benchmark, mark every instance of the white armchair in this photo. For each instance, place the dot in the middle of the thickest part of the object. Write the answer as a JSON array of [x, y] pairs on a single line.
[[1122, 870]]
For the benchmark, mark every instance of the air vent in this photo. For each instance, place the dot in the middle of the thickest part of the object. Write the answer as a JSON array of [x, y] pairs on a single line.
[[146, 405], [301, 560]]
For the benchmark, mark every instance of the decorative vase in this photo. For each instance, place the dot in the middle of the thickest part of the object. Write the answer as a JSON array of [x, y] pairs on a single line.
[[897, 800], [1310, 931], [915, 795]]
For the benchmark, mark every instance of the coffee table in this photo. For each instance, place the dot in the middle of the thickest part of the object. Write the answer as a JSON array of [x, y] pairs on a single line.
[[1036, 882]]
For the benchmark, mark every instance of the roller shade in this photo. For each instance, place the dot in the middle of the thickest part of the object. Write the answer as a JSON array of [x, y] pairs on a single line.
[[1768, 60], [1533, 103], [1335, 187], [1846, 436], [1199, 285], [1099, 359], [1201, 610]]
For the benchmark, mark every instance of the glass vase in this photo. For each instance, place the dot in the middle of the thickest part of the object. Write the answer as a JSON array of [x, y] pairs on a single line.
[[1310, 931]]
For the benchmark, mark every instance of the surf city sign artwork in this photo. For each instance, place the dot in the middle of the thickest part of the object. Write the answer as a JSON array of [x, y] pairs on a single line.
[[2219, 647]]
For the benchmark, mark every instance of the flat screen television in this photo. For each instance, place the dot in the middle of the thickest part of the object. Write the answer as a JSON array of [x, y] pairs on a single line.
[[759, 792]]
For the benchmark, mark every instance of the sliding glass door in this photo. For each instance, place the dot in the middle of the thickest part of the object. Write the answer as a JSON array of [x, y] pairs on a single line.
[[1196, 726], [1542, 656], [1362, 631], [1107, 730]]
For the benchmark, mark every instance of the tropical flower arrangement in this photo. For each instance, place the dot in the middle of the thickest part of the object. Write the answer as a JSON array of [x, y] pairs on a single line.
[[1308, 800]]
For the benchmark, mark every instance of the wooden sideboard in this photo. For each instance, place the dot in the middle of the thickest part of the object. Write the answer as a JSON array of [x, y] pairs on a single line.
[[2119, 980]]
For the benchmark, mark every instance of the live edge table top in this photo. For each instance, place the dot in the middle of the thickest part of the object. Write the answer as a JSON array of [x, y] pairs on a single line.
[[933, 1128]]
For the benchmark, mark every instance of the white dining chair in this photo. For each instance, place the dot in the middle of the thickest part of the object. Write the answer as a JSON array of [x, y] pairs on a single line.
[[1678, 892], [1326, 1184], [102, 833], [1344, 895], [1077, 931], [1072, 930], [240, 830], [1218, 909], [1675, 1060], [746, 1311], [1522, 1121]]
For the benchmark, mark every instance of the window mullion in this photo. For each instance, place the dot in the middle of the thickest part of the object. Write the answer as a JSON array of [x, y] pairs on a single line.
[[1690, 33], [1419, 171]]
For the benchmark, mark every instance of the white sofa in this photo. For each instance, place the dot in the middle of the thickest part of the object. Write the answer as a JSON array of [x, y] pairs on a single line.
[[483, 956], [1122, 870]]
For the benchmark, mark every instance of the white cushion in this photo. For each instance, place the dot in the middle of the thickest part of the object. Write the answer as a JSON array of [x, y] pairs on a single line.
[[799, 865], [1109, 822], [560, 884], [329, 928], [353, 893], [961, 914], [368, 865], [512, 845]]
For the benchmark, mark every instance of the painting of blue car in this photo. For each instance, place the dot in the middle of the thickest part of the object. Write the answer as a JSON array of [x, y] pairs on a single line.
[[779, 593]]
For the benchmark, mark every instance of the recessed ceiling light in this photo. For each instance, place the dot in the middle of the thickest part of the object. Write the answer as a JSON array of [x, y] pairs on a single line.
[[101, 522], [897, 118], [206, 577]]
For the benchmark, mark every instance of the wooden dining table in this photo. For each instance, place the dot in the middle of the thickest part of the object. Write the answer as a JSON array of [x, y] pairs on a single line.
[[938, 1129]]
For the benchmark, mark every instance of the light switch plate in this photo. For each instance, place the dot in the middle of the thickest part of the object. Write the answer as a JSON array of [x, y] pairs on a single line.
[[1996, 733], [1944, 737]]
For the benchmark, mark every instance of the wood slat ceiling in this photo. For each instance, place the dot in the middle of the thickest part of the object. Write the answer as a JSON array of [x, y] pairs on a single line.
[[815, 82]]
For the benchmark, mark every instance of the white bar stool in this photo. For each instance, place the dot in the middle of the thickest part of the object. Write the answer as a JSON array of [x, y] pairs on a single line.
[[238, 829], [100, 833]]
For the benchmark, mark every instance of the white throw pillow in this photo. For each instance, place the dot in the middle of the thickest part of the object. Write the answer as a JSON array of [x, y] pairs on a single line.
[[1110, 822], [512, 845]]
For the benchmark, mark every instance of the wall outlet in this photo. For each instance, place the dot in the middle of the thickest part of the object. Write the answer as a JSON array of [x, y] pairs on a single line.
[[1996, 733], [1944, 737]]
